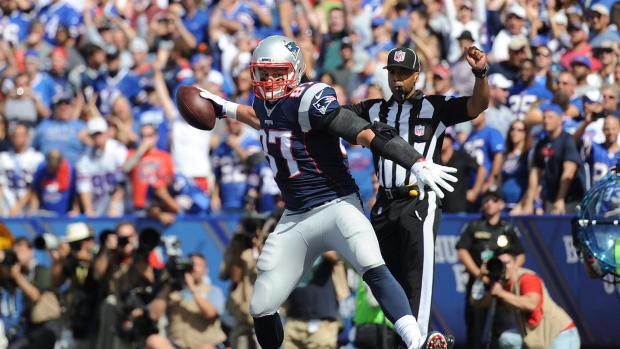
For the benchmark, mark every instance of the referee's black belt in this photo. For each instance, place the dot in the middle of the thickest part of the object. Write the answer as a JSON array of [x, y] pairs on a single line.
[[399, 192]]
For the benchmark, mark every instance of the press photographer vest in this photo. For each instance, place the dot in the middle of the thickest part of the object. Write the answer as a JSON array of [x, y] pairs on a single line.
[[553, 321], [188, 327]]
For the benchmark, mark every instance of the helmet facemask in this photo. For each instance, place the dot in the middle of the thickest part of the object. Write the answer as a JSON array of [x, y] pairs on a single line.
[[277, 88]]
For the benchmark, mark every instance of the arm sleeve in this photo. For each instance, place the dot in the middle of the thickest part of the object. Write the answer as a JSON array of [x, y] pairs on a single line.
[[530, 283], [497, 142]]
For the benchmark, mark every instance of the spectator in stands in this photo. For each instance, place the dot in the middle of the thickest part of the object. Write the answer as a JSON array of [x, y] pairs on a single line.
[[542, 58], [381, 38], [182, 197], [514, 29], [518, 49], [22, 105], [420, 39], [115, 82], [461, 19], [605, 53], [139, 53], [557, 166], [159, 110], [601, 157], [499, 116], [35, 40], [55, 13], [579, 39], [581, 67], [58, 72], [513, 176], [41, 84], [84, 76], [485, 145], [193, 312], [462, 80], [61, 131], [329, 43], [239, 266], [540, 321], [148, 166], [17, 23], [73, 262], [35, 309], [599, 23], [99, 172], [362, 169], [66, 42], [123, 124], [312, 308], [195, 20], [442, 81], [262, 188], [230, 186], [53, 185], [177, 70], [17, 168], [244, 88], [479, 238], [121, 35], [453, 201], [567, 84], [526, 91]]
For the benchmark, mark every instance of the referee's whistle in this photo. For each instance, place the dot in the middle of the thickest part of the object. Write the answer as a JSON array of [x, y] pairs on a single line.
[[413, 193]]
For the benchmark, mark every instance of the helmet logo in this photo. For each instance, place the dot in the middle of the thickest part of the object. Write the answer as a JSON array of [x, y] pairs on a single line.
[[292, 46], [399, 56]]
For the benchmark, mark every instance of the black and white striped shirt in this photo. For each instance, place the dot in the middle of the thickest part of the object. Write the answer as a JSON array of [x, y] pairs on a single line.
[[421, 120]]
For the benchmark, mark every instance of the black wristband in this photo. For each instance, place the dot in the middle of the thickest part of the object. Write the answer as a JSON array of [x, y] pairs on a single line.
[[480, 73]]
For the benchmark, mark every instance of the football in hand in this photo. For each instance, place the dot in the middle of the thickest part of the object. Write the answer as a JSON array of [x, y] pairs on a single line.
[[197, 111]]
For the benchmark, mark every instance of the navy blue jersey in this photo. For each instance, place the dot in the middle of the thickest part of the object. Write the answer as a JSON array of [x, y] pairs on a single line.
[[309, 164]]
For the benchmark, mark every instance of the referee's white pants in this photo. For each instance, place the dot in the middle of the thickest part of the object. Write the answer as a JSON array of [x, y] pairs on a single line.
[[300, 238]]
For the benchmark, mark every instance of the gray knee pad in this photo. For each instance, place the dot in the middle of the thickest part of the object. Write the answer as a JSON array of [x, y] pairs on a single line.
[[264, 301]]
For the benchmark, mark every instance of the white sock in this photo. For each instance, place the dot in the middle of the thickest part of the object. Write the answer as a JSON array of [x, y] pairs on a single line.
[[407, 328]]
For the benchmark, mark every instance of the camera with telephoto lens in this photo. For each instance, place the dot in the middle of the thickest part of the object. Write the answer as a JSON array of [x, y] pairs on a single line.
[[496, 270], [130, 328], [177, 265], [8, 257]]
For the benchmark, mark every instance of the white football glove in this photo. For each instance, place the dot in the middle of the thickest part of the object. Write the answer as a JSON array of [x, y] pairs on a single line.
[[434, 176], [221, 106]]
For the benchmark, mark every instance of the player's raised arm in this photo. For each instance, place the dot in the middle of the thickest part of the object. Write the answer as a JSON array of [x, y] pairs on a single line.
[[383, 140]]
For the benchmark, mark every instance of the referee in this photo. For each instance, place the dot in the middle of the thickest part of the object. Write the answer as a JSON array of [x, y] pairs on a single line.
[[406, 224]]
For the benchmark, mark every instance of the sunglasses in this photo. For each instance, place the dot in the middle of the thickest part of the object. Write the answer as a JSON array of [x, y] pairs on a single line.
[[517, 129], [609, 97], [542, 53], [485, 200]]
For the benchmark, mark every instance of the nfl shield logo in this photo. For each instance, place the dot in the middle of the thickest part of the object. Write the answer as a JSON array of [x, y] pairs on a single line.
[[418, 130], [399, 56]]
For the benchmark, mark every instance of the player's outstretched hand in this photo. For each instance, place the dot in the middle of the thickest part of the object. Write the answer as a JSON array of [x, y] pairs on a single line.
[[434, 176], [218, 102]]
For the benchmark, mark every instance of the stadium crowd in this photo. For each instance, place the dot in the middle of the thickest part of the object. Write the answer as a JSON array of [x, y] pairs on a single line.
[[89, 125]]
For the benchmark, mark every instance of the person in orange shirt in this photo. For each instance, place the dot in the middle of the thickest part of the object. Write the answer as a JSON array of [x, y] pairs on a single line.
[[149, 166], [541, 323]]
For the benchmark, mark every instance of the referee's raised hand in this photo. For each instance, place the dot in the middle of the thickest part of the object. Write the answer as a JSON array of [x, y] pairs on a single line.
[[433, 175], [476, 58]]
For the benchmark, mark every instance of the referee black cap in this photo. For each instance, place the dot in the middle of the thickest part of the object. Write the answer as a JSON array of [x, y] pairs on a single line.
[[403, 57]]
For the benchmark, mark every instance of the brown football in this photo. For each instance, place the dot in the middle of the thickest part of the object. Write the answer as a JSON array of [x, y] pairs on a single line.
[[197, 111]]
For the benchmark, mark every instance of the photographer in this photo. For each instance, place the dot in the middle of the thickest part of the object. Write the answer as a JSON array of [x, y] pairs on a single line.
[[31, 320], [541, 323], [478, 239], [193, 312], [115, 256], [239, 266], [73, 262]]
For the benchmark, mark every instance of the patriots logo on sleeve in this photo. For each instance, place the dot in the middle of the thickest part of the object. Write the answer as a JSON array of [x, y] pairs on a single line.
[[322, 103], [292, 46]]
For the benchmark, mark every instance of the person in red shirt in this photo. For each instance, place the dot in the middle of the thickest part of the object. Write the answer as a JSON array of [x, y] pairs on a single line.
[[541, 323], [149, 166]]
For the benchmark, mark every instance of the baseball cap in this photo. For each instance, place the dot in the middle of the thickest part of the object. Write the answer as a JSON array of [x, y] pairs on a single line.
[[346, 42], [518, 42], [378, 21], [574, 10], [539, 40], [441, 71], [78, 231], [499, 80], [112, 53], [560, 19], [138, 45], [600, 8], [552, 107], [96, 125], [466, 35], [31, 53], [403, 57], [579, 26], [493, 193], [215, 77], [66, 97], [581, 60], [467, 4], [517, 10], [59, 50]]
